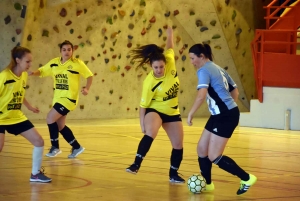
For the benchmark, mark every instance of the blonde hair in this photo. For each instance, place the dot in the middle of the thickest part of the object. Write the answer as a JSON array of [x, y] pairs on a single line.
[[17, 52]]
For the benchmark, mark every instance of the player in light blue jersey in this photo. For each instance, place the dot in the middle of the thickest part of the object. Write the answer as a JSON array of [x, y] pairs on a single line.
[[220, 91]]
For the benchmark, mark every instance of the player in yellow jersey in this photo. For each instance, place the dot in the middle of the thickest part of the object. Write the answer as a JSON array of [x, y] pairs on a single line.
[[65, 71], [13, 81], [159, 104]]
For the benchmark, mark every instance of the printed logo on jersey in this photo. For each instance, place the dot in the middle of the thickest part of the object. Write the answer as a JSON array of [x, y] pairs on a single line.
[[62, 81], [16, 102], [172, 92], [70, 67]]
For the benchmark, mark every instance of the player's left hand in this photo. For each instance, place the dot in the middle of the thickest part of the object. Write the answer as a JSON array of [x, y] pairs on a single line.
[[190, 120], [84, 91], [34, 109]]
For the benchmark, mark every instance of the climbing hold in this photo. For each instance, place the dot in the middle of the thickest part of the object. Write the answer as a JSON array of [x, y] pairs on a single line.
[[202, 29], [78, 13], [132, 14], [115, 17], [71, 31], [63, 12], [143, 31], [29, 37], [104, 52], [176, 12], [113, 35], [41, 3], [127, 68], [226, 67], [119, 57], [111, 49], [165, 26], [233, 15], [105, 38], [97, 98], [68, 23], [13, 39], [77, 56], [103, 80], [167, 14], [109, 20], [178, 39], [82, 44], [131, 26], [183, 69], [75, 47], [93, 58], [18, 31], [238, 31], [176, 58], [98, 55], [120, 5], [45, 33], [114, 7], [164, 38], [148, 27], [227, 2], [122, 13], [199, 23], [218, 47], [114, 42], [152, 20], [159, 32], [114, 56], [183, 108], [81, 107], [181, 91], [129, 45], [141, 12], [103, 45], [106, 60], [86, 62], [180, 51], [192, 13], [109, 103], [111, 91], [174, 27], [219, 8], [18, 6], [85, 11], [142, 3], [120, 97], [56, 29], [88, 42], [100, 2], [128, 56], [216, 36], [130, 37], [103, 30], [213, 22], [89, 28], [7, 19], [140, 74], [244, 52], [122, 74], [183, 58], [185, 46]]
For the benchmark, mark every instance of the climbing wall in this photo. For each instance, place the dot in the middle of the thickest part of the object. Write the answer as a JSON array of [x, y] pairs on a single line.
[[103, 33], [12, 23]]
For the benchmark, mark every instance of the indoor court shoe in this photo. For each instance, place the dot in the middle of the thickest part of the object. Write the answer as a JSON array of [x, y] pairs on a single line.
[[53, 152], [133, 169], [176, 179], [209, 187], [245, 185], [40, 177], [76, 152]]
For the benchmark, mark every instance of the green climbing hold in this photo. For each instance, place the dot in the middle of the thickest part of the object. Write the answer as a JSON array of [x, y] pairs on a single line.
[[18, 6], [89, 28], [120, 5], [77, 56], [111, 49], [111, 91], [114, 43], [86, 62], [218, 47], [82, 44], [97, 98], [119, 56], [84, 10], [213, 22], [202, 29], [142, 3], [233, 15], [244, 52], [192, 13], [216, 36], [13, 39], [71, 31], [98, 55], [131, 26], [109, 20], [45, 33], [206, 42], [183, 69]]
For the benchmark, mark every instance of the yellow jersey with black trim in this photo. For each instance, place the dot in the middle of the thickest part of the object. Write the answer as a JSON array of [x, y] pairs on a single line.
[[66, 79], [12, 93], [161, 93]]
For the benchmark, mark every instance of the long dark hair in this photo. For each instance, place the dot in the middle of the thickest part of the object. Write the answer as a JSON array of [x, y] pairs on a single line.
[[204, 49], [17, 52], [147, 54]]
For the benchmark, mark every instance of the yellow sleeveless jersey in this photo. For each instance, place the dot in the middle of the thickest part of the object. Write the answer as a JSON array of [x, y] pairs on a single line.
[[161, 93], [12, 92], [66, 80]]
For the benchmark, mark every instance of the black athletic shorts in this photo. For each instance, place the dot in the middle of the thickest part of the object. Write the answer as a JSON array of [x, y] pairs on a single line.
[[165, 118], [61, 109], [223, 124], [18, 128]]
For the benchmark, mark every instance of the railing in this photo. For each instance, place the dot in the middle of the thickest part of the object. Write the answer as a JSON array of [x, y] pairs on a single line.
[[275, 59], [273, 12]]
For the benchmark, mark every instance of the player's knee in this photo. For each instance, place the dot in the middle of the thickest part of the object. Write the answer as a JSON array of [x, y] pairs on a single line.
[[213, 156], [39, 141], [202, 151], [177, 145], [50, 119]]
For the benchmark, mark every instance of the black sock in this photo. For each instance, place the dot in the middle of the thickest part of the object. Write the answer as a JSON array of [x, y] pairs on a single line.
[[176, 158], [69, 137], [227, 164], [143, 148], [205, 167], [53, 130]]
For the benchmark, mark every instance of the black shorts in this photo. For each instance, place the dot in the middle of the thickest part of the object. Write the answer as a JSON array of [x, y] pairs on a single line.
[[165, 118], [223, 124], [61, 109], [18, 128]]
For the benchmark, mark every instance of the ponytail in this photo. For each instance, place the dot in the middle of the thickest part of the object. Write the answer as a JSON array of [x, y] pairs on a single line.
[[147, 54], [204, 49]]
